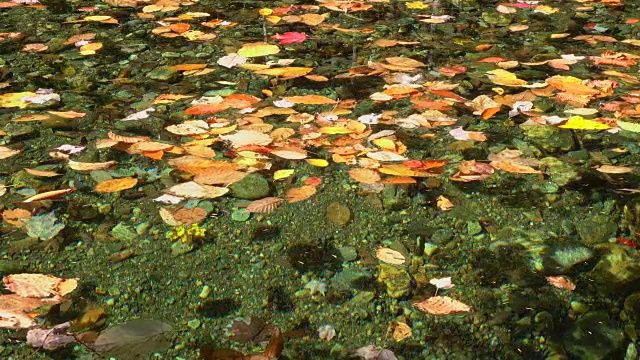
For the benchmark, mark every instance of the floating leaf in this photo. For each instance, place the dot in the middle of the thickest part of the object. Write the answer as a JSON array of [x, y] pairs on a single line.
[[115, 185], [580, 123], [300, 193], [258, 49], [48, 195], [39, 285], [317, 162], [182, 217], [311, 100], [365, 176], [194, 190], [442, 305], [290, 37], [5, 152], [265, 205], [503, 77]]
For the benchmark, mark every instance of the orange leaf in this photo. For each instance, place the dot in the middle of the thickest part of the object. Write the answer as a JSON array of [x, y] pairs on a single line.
[[13, 216], [300, 193], [399, 180], [311, 100], [115, 185], [187, 67], [206, 109], [561, 282], [442, 305], [36, 172], [179, 27], [49, 195]]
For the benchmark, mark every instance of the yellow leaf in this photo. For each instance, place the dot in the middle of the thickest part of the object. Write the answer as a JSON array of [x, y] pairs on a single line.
[[332, 130], [258, 49], [282, 174], [416, 5], [580, 123], [97, 18], [504, 77], [15, 99], [385, 144], [317, 162], [265, 11], [273, 19]]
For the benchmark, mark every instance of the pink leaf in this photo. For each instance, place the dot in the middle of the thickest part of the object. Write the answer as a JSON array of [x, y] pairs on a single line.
[[290, 37]]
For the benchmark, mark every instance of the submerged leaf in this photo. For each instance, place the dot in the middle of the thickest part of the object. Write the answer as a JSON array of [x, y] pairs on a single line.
[[133, 339]]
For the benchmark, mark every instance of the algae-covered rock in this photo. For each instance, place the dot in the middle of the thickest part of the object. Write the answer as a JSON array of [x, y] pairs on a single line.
[[396, 280], [124, 233], [597, 229], [594, 337], [559, 172], [548, 137], [253, 186], [561, 260], [616, 270]]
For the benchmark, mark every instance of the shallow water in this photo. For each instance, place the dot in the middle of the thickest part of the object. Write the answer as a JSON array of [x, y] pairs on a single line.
[[492, 143]]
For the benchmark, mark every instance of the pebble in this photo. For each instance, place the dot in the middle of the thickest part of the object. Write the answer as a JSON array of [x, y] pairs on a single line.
[[206, 290]]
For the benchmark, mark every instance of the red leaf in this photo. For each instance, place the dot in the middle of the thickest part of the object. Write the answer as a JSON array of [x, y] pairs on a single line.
[[290, 37]]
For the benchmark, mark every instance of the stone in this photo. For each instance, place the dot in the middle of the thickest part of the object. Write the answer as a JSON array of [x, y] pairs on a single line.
[[549, 137], [563, 259], [618, 268], [397, 281], [597, 229], [254, 186], [593, 337], [124, 233], [161, 73]]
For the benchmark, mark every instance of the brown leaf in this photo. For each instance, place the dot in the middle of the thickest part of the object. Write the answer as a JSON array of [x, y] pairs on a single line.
[[390, 256], [399, 330], [365, 176], [183, 216], [561, 282], [219, 176], [265, 205], [275, 346], [12, 216], [442, 305], [39, 285]]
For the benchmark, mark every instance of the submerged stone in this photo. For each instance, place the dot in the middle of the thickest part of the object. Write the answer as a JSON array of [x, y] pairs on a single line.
[[593, 337], [397, 281], [252, 187], [616, 270], [597, 229]]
